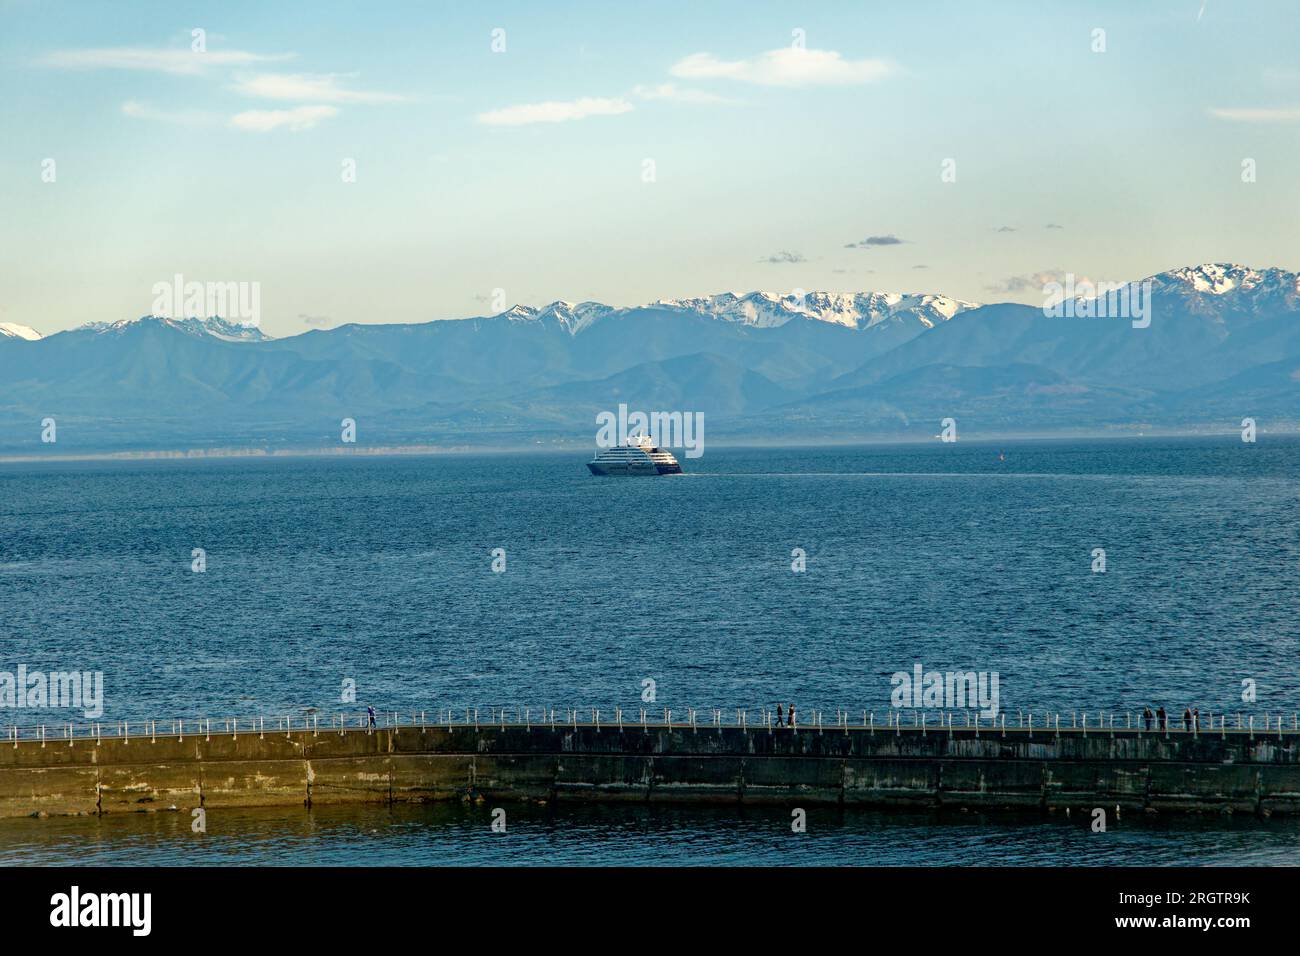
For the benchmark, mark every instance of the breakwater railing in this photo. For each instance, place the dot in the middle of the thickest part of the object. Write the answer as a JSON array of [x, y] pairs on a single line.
[[1083, 723]]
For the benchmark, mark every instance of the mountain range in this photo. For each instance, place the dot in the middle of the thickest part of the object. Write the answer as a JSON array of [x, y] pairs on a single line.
[[1223, 344]]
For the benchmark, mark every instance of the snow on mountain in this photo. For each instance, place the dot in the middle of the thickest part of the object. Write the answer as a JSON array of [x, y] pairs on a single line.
[[215, 326], [1217, 278], [760, 309], [222, 329], [12, 330], [572, 317], [876, 307], [1215, 286], [856, 310], [518, 313], [766, 310]]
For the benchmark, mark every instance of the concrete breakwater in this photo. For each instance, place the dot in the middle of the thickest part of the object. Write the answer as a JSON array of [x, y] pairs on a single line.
[[1219, 770]]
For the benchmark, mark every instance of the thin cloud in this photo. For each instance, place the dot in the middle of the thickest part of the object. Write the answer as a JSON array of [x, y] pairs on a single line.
[[1005, 229], [787, 66], [1033, 282], [296, 120], [556, 111], [1262, 114], [870, 241], [166, 60], [193, 118], [313, 87], [783, 257], [319, 321], [1052, 225], [670, 91]]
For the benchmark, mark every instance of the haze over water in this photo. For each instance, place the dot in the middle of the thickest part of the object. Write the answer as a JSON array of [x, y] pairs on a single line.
[[379, 570]]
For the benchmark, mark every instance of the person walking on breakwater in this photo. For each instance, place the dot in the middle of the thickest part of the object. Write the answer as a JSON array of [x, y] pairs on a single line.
[[780, 717], [1162, 719], [370, 712], [1147, 717], [791, 720], [1196, 719], [1187, 719]]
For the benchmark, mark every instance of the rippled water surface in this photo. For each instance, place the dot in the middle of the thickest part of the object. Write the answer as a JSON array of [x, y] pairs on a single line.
[[455, 835], [378, 570]]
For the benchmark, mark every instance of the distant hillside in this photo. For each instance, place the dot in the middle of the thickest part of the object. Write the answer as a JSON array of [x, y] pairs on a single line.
[[1223, 344]]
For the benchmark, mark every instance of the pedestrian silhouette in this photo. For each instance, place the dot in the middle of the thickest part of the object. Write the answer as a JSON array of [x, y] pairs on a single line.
[[792, 715], [780, 717], [1147, 717]]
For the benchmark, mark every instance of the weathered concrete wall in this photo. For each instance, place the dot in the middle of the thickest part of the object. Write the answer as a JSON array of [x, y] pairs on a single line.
[[1259, 774]]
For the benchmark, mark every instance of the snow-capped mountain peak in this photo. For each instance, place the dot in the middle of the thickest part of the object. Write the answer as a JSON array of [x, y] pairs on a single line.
[[857, 310], [572, 317], [575, 316], [1219, 286], [518, 313], [224, 329], [214, 326], [12, 330], [759, 309], [1214, 278]]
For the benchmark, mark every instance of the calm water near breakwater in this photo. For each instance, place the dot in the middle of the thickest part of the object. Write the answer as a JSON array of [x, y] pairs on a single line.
[[378, 570], [459, 834]]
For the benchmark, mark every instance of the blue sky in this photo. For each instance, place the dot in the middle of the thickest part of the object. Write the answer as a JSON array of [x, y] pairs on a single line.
[[225, 165]]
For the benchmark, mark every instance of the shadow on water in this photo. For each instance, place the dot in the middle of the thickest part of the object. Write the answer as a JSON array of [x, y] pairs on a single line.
[[450, 834]]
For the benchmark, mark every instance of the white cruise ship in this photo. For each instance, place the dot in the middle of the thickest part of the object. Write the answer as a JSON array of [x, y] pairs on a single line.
[[638, 456]]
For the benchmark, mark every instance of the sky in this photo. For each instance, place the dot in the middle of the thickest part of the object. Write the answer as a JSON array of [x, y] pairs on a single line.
[[525, 152]]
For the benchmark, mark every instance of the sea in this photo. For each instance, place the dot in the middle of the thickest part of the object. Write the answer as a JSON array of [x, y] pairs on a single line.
[[1091, 576]]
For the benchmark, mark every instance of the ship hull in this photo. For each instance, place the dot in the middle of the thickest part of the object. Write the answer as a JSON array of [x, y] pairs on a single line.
[[636, 469]]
